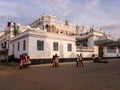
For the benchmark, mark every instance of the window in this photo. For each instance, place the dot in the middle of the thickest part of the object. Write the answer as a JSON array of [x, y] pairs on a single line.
[[111, 49], [82, 43], [40, 45], [18, 47], [119, 49], [69, 47], [24, 45], [5, 43], [2, 45], [55, 46]]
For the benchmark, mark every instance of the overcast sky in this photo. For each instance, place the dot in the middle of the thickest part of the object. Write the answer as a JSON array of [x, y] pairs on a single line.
[[101, 13]]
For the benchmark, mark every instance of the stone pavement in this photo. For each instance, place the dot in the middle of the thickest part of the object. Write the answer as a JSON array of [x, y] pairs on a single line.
[[94, 76]]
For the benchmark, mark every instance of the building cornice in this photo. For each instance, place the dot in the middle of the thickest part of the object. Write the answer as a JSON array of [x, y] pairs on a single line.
[[43, 34]]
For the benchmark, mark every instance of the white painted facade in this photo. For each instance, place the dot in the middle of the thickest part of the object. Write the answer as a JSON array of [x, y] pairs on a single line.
[[31, 37], [49, 30], [111, 54]]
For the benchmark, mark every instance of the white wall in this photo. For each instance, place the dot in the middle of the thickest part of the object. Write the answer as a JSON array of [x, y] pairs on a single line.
[[106, 54], [90, 42], [48, 48], [21, 51], [10, 52]]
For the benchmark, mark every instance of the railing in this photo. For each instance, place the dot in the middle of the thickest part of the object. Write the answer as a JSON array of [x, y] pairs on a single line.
[[82, 49], [51, 34]]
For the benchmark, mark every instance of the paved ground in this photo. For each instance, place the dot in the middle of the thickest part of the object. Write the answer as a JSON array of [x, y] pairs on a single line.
[[94, 76]]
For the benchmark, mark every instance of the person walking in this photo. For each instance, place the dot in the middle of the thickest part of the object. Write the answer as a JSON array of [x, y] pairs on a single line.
[[77, 60], [24, 61], [21, 62], [93, 58], [25, 58], [56, 60], [28, 61], [81, 61], [53, 59]]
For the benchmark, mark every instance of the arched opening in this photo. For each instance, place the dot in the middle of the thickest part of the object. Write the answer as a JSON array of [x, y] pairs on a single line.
[[47, 28], [52, 28], [42, 27], [61, 32], [57, 31], [66, 33]]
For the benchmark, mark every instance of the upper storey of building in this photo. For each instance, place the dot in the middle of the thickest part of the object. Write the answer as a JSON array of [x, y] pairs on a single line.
[[46, 23], [50, 23]]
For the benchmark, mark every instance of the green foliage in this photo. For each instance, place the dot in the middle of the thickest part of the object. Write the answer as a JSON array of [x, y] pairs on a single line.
[[16, 31]]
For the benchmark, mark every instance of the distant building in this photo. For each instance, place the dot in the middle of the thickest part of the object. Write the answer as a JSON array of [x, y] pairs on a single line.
[[47, 36]]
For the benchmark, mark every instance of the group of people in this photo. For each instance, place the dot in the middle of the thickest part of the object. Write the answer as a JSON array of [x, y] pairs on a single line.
[[79, 62], [55, 59], [24, 61]]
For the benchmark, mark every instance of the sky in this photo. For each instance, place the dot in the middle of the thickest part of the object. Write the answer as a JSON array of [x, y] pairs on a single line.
[[103, 14]]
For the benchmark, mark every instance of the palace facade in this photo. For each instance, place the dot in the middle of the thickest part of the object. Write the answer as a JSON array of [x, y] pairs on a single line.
[[47, 36]]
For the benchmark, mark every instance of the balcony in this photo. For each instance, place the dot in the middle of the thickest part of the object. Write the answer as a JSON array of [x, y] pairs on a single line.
[[84, 49]]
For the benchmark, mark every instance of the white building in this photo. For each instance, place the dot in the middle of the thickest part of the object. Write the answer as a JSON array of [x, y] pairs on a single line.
[[47, 36]]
